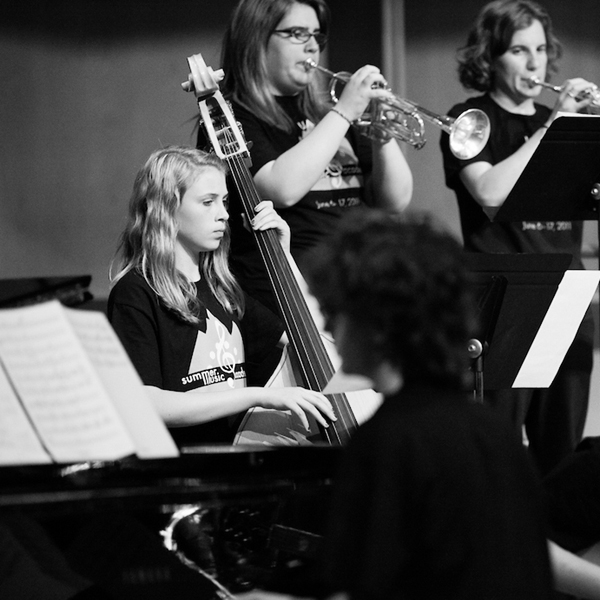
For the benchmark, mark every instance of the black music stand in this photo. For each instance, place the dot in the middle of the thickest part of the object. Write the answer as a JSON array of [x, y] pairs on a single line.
[[515, 292], [559, 183]]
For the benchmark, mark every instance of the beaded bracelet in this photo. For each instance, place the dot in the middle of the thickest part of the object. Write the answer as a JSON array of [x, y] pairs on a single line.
[[339, 112]]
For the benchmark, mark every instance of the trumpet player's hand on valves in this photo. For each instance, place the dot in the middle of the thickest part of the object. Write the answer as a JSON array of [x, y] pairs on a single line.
[[362, 87], [576, 95]]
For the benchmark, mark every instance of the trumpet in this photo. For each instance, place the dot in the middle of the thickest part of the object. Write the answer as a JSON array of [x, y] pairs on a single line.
[[591, 92], [404, 120]]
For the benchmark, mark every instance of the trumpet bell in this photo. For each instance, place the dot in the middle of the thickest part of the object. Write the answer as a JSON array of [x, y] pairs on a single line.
[[469, 133], [404, 120]]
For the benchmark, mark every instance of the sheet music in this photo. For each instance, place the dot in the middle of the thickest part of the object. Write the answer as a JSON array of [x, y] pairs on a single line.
[[151, 437], [558, 329], [58, 386], [19, 444]]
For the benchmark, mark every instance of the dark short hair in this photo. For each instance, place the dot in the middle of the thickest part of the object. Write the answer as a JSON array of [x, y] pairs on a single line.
[[403, 283], [490, 37]]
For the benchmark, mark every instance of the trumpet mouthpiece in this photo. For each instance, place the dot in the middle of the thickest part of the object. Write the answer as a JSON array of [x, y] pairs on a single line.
[[533, 81], [309, 62]]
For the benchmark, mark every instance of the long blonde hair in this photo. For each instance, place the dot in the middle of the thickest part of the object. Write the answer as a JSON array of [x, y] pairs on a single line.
[[147, 243]]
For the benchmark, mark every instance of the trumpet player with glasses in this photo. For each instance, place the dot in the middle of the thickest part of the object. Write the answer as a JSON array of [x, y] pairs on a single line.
[[306, 156], [510, 49]]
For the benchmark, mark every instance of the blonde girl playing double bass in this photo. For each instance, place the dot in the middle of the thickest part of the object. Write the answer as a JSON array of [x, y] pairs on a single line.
[[187, 326]]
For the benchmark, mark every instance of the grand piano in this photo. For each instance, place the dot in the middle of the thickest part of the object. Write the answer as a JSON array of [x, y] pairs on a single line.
[[216, 519]]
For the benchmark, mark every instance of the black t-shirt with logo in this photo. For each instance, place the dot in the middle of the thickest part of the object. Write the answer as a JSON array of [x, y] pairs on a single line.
[[174, 355]]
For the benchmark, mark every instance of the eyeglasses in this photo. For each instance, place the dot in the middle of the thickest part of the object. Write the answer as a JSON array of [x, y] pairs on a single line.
[[301, 35]]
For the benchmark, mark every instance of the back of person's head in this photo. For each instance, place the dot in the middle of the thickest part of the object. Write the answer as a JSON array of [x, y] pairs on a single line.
[[148, 241], [244, 54], [402, 284], [490, 37]]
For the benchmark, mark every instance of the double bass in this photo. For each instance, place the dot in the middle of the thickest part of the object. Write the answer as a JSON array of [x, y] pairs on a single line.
[[307, 361]]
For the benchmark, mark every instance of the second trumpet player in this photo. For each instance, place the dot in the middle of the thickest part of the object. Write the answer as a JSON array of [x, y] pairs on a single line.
[[511, 42]]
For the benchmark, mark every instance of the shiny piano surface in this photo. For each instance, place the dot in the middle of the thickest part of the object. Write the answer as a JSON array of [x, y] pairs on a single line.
[[203, 473], [256, 507]]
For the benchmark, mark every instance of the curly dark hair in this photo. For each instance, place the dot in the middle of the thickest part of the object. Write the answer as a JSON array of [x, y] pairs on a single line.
[[402, 283], [491, 35]]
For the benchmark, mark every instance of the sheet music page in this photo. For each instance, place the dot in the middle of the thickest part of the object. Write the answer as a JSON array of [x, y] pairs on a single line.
[[558, 329], [19, 444], [121, 380], [58, 386]]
